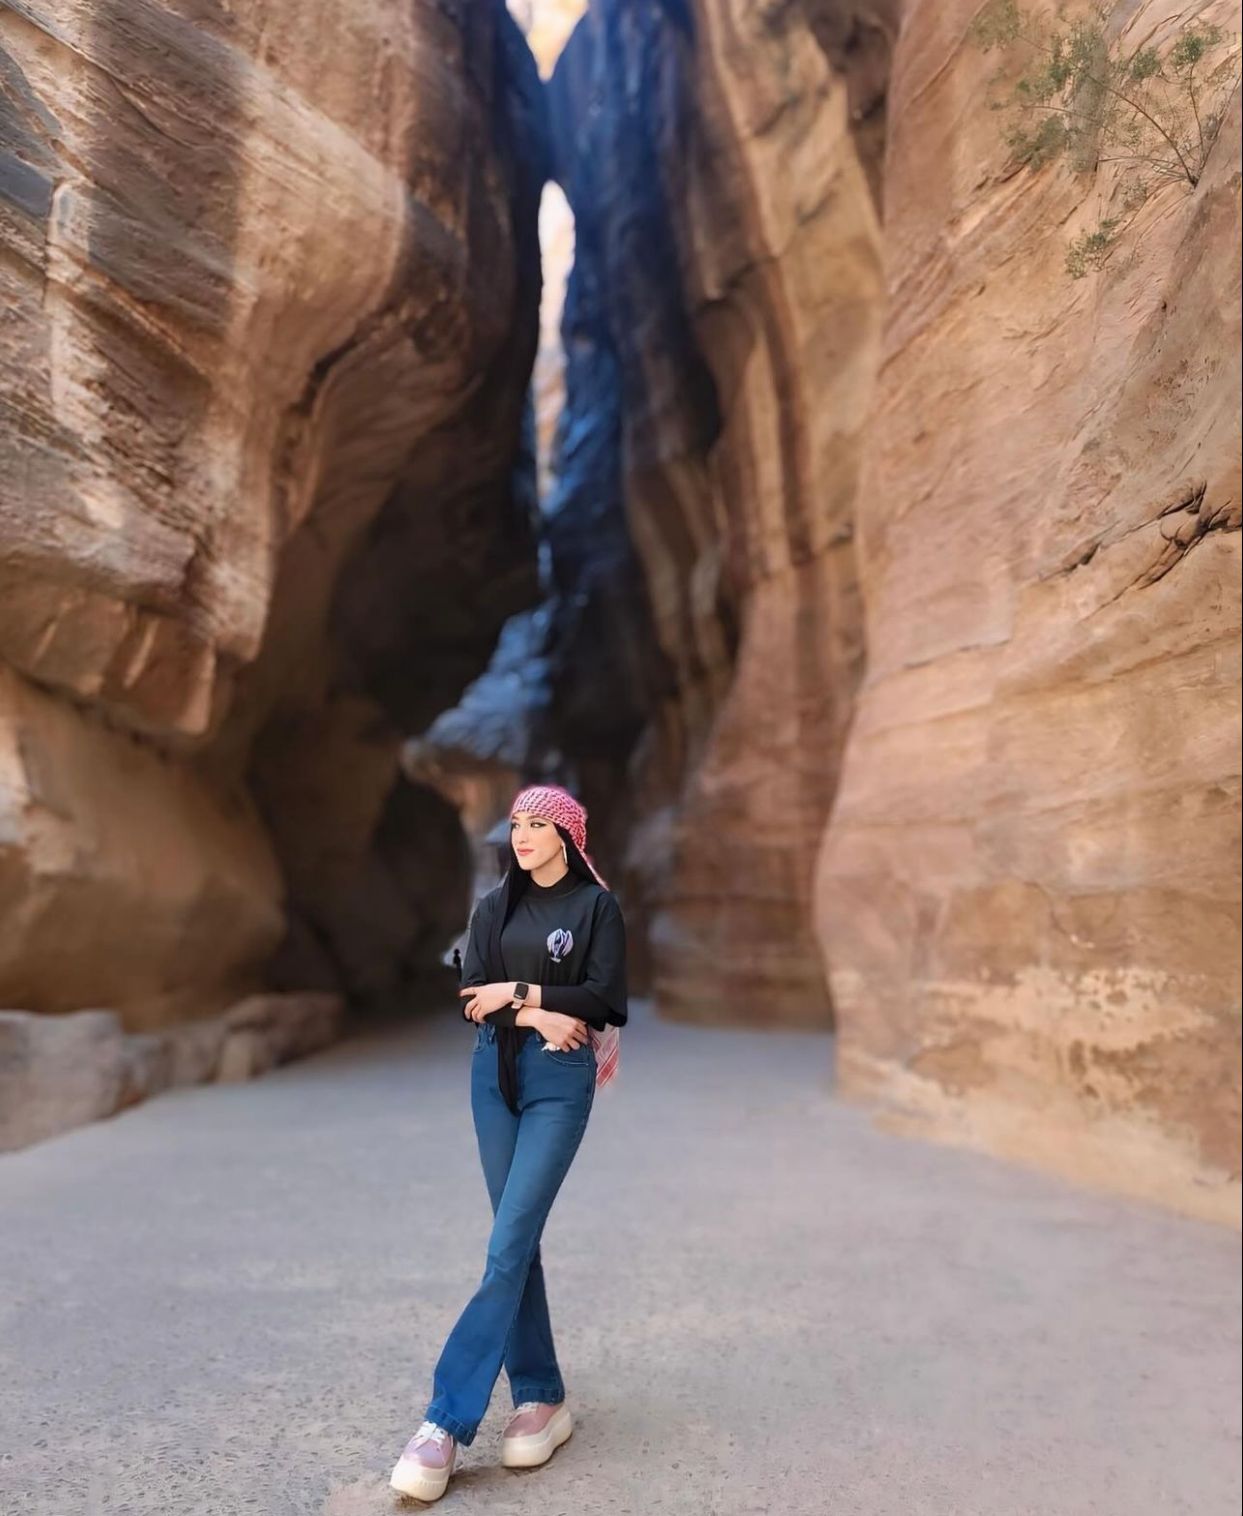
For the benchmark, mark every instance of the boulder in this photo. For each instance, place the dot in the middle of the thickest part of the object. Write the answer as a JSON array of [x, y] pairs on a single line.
[[57, 1072], [263, 1031]]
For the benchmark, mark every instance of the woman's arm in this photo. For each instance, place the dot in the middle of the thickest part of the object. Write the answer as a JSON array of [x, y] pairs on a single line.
[[598, 1000], [506, 1016], [569, 1000], [475, 972], [509, 1014], [578, 1000]]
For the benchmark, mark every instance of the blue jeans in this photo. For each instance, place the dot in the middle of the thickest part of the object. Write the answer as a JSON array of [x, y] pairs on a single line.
[[525, 1158]]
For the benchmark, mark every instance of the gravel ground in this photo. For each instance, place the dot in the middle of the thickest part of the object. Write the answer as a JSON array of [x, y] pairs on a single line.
[[229, 1301]]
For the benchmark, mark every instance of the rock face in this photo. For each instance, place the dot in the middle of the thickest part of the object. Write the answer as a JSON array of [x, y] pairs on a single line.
[[725, 221], [1029, 893], [58, 1072], [923, 466], [267, 338], [123, 876], [891, 575]]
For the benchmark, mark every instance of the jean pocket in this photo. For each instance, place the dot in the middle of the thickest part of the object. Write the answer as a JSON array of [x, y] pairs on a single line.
[[579, 1055]]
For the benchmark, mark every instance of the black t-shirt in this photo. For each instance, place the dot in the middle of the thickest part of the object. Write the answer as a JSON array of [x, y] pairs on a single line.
[[569, 938]]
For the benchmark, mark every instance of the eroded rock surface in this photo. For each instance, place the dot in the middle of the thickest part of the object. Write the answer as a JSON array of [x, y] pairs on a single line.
[[1029, 891], [1015, 507], [271, 281], [58, 1072], [725, 217]]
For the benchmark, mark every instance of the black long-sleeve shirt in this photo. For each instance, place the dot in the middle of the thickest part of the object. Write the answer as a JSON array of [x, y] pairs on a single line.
[[569, 938]]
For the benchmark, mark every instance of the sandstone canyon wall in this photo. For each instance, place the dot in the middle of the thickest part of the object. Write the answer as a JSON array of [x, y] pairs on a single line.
[[877, 586], [726, 224], [271, 288], [1028, 894], [941, 548]]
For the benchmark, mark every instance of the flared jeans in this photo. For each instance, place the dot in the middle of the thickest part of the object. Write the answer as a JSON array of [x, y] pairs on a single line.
[[525, 1158]]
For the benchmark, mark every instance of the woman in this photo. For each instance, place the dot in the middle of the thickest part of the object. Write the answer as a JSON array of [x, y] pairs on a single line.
[[544, 979]]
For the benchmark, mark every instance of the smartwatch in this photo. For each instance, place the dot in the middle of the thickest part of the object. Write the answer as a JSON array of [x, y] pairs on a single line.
[[521, 991]]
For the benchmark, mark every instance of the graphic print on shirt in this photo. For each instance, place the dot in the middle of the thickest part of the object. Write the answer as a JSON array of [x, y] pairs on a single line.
[[560, 943]]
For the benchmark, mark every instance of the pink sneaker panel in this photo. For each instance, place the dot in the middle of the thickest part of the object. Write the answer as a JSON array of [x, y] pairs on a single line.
[[430, 1453], [530, 1422]]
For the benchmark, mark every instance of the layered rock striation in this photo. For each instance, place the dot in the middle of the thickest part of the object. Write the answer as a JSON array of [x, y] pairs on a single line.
[[941, 548], [271, 281], [878, 587], [724, 212], [1028, 895]]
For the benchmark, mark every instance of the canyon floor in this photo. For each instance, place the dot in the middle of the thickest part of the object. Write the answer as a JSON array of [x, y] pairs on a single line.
[[229, 1301]]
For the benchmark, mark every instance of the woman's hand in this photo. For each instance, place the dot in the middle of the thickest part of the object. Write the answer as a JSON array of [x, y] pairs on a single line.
[[483, 999], [564, 1032]]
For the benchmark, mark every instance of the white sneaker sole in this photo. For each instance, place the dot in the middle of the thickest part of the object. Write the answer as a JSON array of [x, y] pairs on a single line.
[[410, 1478], [530, 1451]]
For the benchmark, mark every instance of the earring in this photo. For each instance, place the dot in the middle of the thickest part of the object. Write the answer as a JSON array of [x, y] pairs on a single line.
[[565, 857]]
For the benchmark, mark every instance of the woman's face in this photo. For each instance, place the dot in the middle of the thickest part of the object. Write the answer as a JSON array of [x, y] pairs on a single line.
[[534, 839]]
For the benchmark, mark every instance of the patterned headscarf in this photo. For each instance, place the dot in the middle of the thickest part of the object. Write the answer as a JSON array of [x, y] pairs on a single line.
[[554, 804]]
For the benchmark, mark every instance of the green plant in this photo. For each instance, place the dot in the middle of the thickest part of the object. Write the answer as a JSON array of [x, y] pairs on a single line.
[[1083, 96], [1090, 249]]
